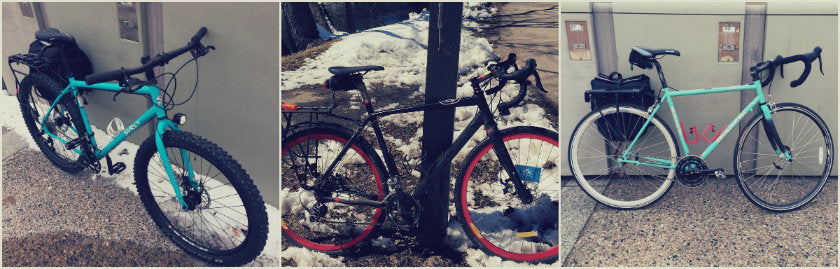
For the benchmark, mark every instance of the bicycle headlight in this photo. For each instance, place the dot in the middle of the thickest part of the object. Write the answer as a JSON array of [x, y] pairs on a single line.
[[179, 118]]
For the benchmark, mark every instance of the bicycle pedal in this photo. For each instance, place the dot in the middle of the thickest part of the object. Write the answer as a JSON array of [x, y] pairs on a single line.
[[117, 168], [719, 173], [73, 143]]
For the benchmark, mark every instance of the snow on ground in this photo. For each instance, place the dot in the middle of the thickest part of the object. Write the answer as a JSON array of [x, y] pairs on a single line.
[[474, 12], [401, 49], [10, 116]]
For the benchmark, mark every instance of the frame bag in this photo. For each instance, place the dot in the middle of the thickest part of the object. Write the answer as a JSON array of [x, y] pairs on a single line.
[[614, 90]]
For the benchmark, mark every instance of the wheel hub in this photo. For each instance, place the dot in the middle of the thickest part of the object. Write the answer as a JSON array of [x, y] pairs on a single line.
[[192, 198], [691, 171]]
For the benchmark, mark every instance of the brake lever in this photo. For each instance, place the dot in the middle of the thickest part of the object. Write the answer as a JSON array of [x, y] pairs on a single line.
[[819, 57], [538, 81], [781, 66], [132, 84]]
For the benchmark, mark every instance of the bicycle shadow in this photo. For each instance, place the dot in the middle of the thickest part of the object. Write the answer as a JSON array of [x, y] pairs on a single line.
[[404, 250]]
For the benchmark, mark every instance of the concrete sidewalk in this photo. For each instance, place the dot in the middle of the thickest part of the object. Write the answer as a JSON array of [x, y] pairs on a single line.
[[530, 31], [710, 225], [52, 218]]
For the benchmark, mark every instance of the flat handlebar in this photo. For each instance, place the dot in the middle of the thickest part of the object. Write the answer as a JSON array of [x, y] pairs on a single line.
[[161, 59]]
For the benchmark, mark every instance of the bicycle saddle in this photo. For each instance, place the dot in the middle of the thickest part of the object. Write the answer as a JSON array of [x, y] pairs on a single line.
[[53, 35], [341, 70], [650, 53]]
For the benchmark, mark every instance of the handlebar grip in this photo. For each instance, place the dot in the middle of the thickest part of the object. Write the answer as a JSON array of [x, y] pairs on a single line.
[[504, 108], [105, 76], [807, 59], [802, 77], [522, 73], [198, 36]]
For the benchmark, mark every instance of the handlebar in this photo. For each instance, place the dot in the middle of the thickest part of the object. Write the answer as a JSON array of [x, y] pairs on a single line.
[[520, 75], [806, 58], [194, 46]]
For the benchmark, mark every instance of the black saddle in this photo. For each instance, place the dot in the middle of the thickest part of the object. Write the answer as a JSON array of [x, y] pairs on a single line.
[[642, 57], [52, 35], [650, 53], [341, 70]]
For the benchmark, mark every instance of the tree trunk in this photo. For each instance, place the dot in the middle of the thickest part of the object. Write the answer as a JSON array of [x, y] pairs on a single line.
[[438, 126], [298, 21]]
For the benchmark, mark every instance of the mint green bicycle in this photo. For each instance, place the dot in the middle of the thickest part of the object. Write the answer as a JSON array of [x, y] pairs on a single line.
[[197, 194], [626, 157]]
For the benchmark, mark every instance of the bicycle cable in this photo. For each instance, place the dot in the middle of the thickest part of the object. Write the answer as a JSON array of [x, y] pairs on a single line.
[[168, 99]]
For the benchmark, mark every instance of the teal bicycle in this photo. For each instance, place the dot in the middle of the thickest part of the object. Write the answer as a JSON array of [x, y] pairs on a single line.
[[197, 194], [627, 157]]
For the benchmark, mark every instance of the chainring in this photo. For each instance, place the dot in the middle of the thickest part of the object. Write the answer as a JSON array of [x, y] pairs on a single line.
[[688, 171]]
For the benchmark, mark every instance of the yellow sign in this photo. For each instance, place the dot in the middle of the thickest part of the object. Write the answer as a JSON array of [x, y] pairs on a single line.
[[475, 230], [526, 234]]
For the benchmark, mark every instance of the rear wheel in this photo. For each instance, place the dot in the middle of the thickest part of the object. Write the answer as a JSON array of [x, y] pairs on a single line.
[[330, 227], [491, 213], [36, 94], [770, 180], [603, 136]]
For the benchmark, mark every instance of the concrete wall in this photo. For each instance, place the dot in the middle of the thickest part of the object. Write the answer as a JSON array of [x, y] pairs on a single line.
[[788, 35], [16, 27], [692, 28], [235, 104], [574, 77]]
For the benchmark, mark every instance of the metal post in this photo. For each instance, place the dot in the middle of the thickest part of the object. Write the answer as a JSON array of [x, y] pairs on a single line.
[[438, 126]]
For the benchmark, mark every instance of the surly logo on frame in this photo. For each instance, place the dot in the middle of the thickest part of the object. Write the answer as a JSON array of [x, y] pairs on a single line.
[[159, 101], [131, 128]]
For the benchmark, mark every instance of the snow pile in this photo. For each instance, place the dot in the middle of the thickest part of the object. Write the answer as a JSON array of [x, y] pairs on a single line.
[[475, 13], [400, 48], [308, 258], [125, 152], [11, 117]]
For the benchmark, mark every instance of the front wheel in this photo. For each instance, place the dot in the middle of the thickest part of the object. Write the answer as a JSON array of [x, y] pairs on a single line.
[[604, 136], [224, 221], [491, 213], [771, 180]]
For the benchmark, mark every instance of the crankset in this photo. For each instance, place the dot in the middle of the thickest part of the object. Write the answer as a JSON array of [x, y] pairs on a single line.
[[692, 171], [404, 210]]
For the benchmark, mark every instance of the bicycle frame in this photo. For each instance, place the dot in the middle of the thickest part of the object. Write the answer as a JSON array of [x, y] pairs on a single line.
[[155, 111], [483, 117], [668, 95]]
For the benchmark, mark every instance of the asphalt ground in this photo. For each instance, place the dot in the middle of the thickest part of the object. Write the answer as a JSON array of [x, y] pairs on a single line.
[[710, 225]]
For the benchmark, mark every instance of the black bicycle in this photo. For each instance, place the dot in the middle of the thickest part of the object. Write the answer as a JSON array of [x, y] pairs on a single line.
[[336, 190]]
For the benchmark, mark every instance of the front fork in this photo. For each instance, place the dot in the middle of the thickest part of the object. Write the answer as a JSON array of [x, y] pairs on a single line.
[[162, 126], [773, 134], [504, 156]]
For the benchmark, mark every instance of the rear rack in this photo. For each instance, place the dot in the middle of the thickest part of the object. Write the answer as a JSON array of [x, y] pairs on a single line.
[[33, 61]]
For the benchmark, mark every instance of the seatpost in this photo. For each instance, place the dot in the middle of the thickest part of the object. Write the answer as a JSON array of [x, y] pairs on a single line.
[[661, 75], [365, 98]]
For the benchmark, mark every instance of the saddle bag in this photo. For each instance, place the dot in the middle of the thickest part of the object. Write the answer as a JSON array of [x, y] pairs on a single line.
[[343, 82], [614, 90], [77, 61]]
